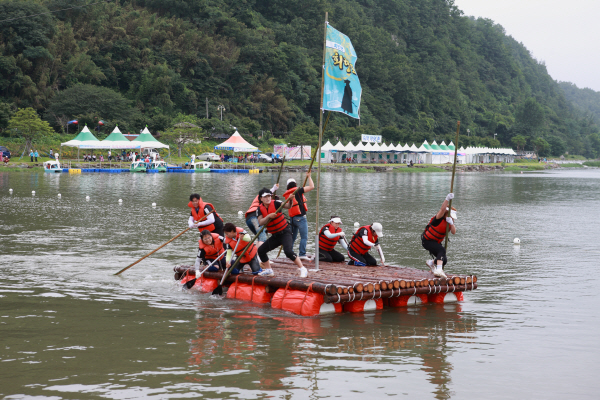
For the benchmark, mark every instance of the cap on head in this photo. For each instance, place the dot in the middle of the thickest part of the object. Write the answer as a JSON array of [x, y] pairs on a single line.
[[290, 180], [377, 228], [336, 220], [264, 192]]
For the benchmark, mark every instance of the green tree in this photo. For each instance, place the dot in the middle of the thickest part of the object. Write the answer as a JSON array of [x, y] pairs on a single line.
[[305, 134], [542, 147], [28, 125], [530, 117], [519, 141], [181, 133], [6, 113]]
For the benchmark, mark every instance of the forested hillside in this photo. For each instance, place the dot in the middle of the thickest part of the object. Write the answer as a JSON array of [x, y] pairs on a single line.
[[422, 65], [585, 99]]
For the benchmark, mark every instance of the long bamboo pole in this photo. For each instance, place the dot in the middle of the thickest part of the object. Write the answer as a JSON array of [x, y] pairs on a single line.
[[319, 145], [452, 182]]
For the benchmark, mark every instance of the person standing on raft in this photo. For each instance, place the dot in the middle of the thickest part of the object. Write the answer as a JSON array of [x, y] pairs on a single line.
[[233, 235], [212, 223], [210, 247], [366, 237], [330, 235], [297, 212], [278, 227], [434, 234], [252, 221]]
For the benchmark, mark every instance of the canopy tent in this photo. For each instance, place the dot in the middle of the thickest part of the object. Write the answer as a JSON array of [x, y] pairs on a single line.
[[326, 154], [236, 143], [84, 138], [147, 141], [115, 140]]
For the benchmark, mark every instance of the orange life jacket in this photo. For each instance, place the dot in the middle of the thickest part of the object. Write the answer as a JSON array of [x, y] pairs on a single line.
[[357, 245], [295, 208], [437, 233], [213, 250], [253, 207], [240, 247], [199, 214], [325, 243], [278, 223]]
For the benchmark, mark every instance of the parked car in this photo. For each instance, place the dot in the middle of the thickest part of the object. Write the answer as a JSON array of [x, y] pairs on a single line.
[[264, 158], [274, 158], [4, 152], [208, 157]]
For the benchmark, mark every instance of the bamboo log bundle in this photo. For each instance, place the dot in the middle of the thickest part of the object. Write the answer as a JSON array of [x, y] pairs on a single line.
[[399, 292]]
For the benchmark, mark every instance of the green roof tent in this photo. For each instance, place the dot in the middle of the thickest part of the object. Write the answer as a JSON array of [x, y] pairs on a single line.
[[84, 138], [426, 145], [147, 141], [116, 140]]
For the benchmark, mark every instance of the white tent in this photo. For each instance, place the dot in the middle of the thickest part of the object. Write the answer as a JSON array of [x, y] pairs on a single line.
[[326, 154], [84, 138]]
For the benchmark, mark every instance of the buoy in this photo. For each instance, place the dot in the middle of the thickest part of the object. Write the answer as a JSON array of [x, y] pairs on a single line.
[[33, 192], [87, 198], [120, 200], [240, 212], [517, 241], [356, 224], [10, 190], [59, 196], [153, 204]]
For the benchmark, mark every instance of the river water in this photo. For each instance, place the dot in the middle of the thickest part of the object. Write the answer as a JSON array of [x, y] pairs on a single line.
[[69, 329]]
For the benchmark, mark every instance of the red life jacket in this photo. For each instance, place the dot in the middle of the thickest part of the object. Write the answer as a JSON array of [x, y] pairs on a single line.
[[437, 233], [198, 215], [278, 223], [295, 208], [240, 247], [325, 243], [357, 245], [253, 207], [213, 250]]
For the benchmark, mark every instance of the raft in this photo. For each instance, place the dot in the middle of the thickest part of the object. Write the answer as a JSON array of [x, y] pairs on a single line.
[[337, 287]]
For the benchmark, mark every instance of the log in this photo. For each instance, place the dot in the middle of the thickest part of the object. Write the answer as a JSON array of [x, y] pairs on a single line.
[[399, 292]]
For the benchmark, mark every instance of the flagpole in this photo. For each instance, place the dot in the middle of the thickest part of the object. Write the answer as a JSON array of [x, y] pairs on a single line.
[[319, 145]]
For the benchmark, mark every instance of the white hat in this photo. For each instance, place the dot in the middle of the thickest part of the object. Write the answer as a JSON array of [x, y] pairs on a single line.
[[378, 229], [290, 180], [336, 220], [267, 194]]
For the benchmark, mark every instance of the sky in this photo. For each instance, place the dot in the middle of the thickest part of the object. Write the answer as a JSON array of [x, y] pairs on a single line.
[[564, 34]]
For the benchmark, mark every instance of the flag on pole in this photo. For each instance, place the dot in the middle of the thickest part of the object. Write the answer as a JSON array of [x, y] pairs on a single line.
[[342, 89]]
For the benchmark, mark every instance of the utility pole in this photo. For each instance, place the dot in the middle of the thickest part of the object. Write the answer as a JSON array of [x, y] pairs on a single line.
[[222, 108], [207, 108]]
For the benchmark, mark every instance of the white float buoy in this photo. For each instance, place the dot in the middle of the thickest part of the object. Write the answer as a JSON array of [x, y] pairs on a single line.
[[87, 198], [33, 192], [59, 196], [356, 224], [153, 204], [10, 190], [120, 200], [517, 241], [240, 212]]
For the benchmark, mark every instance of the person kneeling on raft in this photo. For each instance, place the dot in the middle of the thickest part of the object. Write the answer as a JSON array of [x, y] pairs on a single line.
[[330, 235], [366, 237], [210, 248], [434, 234], [236, 239], [213, 223], [278, 227]]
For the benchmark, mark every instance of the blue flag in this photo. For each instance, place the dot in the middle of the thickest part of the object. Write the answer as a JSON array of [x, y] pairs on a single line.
[[342, 89]]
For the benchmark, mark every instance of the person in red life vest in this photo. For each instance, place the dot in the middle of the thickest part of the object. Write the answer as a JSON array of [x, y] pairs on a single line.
[[252, 221], [434, 235], [278, 227], [210, 247], [297, 213], [233, 235], [330, 235], [213, 222], [362, 241]]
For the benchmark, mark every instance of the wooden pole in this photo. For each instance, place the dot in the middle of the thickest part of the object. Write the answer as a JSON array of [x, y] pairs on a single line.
[[319, 145], [163, 245], [452, 182]]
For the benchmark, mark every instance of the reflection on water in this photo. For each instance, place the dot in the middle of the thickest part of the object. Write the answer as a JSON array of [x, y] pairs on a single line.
[[70, 329]]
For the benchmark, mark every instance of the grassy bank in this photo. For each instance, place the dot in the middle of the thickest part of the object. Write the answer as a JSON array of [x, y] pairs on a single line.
[[592, 163], [516, 168]]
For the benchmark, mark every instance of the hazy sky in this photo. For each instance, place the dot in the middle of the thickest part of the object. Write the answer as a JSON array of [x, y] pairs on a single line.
[[564, 34]]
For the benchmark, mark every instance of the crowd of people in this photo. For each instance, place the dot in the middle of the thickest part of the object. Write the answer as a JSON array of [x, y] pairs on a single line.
[[221, 243]]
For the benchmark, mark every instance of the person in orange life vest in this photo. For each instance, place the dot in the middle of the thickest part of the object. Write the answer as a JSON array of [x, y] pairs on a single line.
[[330, 235], [278, 227], [297, 213], [252, 221], [210, 247], [434, 235], [362, 241], [233, 235], [213, 222]]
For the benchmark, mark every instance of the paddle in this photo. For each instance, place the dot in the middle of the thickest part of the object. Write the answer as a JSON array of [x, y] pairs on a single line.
[[452, 183], [219, 289], [280, 169], [163, 245], [190, 284], [231, 266]]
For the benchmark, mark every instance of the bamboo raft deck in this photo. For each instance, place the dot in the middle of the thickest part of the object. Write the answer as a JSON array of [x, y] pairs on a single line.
[[342, 283]]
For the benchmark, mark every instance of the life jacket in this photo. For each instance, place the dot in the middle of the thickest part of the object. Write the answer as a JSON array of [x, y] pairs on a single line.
[[214, 250], [357, 245], [325, 243], [278, 223], [199, 214], [437, 233], [295, 208], [240, 247], [253, 207]]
